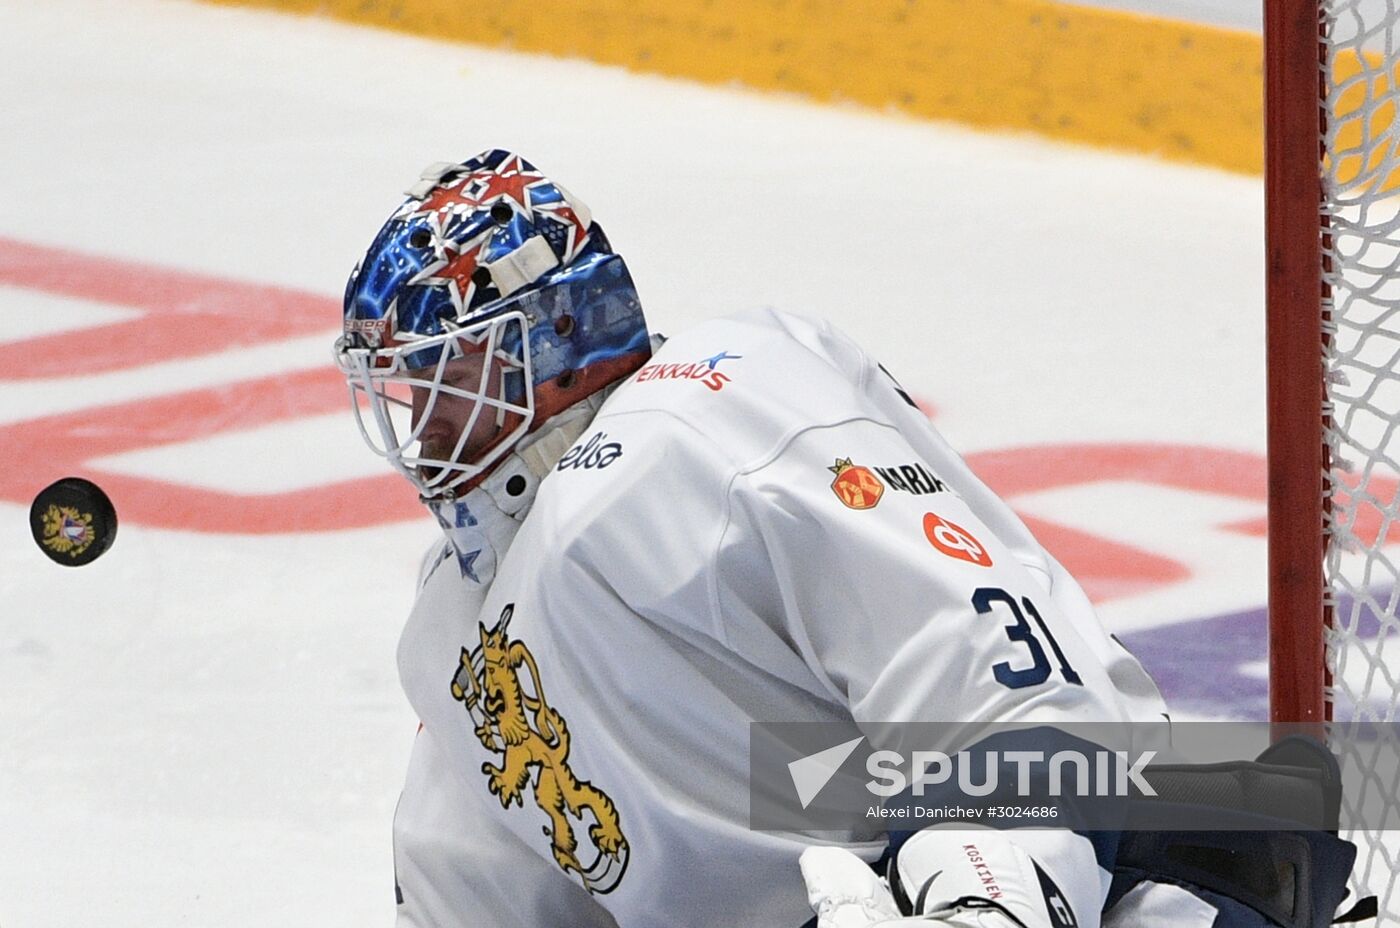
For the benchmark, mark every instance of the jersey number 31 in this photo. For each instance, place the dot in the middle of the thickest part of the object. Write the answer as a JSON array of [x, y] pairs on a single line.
[[984, 600]]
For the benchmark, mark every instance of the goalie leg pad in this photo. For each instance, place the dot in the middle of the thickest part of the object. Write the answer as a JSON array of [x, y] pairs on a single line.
[[1167, 905], [1290, 879], [1291, 871]]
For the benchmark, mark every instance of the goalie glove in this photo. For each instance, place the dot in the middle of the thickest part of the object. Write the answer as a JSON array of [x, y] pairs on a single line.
[[964, 878], [846, 893]]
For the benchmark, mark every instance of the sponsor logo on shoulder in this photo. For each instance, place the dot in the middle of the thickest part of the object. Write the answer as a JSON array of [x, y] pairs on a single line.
[[911, 478], [855, 486], [594, 454], [706, 370], [860, 487], [955, 541]]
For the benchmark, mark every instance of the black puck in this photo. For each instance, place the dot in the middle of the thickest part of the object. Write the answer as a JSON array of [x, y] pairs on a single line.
[[73, 521]]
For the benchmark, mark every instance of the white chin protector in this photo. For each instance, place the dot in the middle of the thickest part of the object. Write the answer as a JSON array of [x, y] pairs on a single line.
[[444, 408]]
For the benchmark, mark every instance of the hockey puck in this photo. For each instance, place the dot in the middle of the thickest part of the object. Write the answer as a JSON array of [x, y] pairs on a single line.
[[73, 521]]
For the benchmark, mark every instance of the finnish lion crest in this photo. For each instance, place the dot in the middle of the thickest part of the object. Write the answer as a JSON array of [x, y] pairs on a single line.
[[514, 720]]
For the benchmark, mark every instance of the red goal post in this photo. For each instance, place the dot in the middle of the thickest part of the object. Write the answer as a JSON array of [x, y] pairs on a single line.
[[1295, 88], [1332, 237]]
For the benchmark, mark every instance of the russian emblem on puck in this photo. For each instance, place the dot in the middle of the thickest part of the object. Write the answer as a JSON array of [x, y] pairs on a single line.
[[855, 486], [73, 521]]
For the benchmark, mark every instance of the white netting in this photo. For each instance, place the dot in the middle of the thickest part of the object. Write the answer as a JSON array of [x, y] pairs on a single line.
[[1361, 212]]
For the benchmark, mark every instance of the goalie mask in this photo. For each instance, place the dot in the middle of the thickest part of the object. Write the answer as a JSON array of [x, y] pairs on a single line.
[[489, 302]]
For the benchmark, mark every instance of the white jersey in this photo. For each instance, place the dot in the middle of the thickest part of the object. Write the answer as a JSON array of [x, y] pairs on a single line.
[[756, 526]]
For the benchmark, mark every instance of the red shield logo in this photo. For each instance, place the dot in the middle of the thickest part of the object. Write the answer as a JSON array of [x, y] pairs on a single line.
[[955, 541], [855, 486]]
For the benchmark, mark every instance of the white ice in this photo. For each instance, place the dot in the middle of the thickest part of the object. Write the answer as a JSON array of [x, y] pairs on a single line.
[[206, 729]]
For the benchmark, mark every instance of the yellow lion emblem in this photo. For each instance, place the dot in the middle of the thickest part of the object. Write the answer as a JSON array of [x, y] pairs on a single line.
[[518, 723]]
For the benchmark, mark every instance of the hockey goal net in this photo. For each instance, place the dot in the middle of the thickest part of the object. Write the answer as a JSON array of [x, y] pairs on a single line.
[[1332, 80]]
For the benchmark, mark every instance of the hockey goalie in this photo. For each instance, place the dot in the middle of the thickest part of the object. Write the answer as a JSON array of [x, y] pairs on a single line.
[[648, 545]]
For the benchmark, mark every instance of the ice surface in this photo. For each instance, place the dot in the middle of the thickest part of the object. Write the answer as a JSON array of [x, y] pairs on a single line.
[[205, 729]]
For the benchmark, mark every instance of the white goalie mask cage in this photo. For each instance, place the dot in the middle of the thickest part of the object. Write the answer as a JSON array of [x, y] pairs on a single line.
[[418, 389]]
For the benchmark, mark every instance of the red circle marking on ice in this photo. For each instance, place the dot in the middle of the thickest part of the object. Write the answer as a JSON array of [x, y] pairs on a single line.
[[187, 315], [184, 315]]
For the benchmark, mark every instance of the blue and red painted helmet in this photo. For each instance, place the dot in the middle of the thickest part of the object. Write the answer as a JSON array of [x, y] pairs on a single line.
[[489, 302]]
